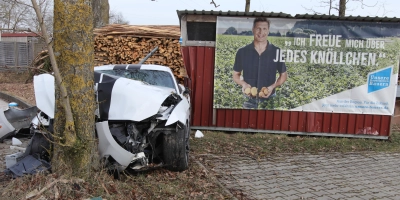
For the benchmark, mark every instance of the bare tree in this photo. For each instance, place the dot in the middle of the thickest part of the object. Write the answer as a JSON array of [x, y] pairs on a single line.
[[75, 149], [101, 13], [46, 8], [19, 15], [74, 146], [117, 18], [247, 6], [215, 4], [14, 15], [340, 6]]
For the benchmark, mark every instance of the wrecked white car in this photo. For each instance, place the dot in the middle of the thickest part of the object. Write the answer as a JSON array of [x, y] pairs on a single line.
[[142, 118]]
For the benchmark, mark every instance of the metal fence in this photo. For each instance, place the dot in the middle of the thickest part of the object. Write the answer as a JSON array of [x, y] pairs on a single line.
[[14, 55]]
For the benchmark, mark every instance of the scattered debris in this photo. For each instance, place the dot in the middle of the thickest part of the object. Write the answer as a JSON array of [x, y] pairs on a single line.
[[28, 165], [198, 134], [16, 142]]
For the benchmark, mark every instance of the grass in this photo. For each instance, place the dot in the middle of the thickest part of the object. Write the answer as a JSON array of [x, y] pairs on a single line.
[[196, 182], [261, 145], [193, 183]]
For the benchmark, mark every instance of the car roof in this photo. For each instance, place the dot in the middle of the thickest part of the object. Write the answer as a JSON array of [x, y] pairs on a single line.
[[133, 66]]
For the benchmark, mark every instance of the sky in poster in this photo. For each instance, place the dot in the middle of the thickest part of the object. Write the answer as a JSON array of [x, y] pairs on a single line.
[[163, 12]]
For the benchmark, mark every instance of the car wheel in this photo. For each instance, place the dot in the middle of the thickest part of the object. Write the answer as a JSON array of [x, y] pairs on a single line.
[[176, 150]]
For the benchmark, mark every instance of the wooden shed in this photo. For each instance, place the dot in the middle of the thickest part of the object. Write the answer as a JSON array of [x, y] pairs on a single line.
[[198, 32]]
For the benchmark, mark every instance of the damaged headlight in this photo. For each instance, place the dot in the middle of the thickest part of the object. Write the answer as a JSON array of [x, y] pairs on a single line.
[[164, 112], [167, 106]]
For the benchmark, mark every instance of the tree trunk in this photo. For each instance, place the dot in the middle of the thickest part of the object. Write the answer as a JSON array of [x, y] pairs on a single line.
[[247, 8], [73, 46], [342, 8], [101, 13]]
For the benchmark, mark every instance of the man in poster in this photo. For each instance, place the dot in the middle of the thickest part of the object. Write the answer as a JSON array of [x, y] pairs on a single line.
[[255, 62]]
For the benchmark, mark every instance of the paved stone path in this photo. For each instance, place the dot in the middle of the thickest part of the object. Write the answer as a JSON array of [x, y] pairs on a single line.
[[305, 176]]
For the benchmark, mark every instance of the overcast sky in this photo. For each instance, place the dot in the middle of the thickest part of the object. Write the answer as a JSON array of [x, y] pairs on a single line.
[[163, 12]]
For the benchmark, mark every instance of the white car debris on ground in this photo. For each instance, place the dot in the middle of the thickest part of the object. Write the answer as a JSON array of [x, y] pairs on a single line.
[[142, 118]]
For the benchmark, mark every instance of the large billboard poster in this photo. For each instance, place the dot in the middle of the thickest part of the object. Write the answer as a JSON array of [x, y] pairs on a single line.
[[306, 65]]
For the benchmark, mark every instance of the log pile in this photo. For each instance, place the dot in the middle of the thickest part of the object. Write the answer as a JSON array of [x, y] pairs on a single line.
[[128, 44]]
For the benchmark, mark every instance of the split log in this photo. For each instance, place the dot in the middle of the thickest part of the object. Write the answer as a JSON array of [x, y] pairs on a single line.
[[127, 44]]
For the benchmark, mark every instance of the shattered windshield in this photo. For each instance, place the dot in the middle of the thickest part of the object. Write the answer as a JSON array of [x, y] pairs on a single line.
[[151, 77]]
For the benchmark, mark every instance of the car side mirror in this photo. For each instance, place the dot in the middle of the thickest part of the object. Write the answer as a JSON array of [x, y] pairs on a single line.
[[186, 91]]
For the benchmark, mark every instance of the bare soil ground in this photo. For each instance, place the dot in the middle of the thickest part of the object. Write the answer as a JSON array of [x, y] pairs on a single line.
[[6, 150], [13, 83], [194, 183], [18, 84]]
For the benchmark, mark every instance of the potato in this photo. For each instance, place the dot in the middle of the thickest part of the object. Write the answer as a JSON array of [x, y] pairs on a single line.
[[253, 91], [264, 90], [247, 91]]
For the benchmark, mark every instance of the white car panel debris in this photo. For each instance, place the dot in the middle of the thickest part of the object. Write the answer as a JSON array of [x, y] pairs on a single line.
[[45, 93], [179, 113], [109, 147], [5, 125]]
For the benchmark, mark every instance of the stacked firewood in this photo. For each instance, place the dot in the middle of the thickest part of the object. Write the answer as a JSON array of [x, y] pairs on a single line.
[[127, 44]]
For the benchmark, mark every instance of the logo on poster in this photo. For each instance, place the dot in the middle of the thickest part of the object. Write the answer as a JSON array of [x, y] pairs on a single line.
[[379, 79]]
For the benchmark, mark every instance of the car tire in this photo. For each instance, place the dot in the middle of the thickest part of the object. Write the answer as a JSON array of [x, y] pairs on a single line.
[[176, 150]]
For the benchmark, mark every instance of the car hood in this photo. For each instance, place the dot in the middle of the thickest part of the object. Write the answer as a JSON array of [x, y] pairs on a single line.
[[125, 99]]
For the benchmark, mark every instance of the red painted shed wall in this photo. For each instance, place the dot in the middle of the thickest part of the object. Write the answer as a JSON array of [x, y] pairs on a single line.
[[199, 62]]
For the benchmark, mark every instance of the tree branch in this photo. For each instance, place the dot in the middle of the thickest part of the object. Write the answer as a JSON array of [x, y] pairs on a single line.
[[212, 2], [70, 126]]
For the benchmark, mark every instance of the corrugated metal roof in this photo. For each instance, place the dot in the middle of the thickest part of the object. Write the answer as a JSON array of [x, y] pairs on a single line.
[[349, 18], [232, 13], [284, 15], [19, 35]]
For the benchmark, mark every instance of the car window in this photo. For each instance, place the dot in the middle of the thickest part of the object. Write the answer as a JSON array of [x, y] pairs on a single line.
[[151, 77]]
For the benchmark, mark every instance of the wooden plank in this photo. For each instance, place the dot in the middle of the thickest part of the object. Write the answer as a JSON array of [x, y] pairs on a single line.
[[261, 119], [207, 84], [201, 18], [335, 120], [229, 118], [253, 119], [184, 35], [237, 116], [302, 122], [285, 121], [376, 123], [277, 120], [343, 123], [326, 123], [319, 117], [310, 122], [196, 57], [385, 125], [294, 121], [359, 126], [221, 117], [351, 124], [244, 121], [269, 120]]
